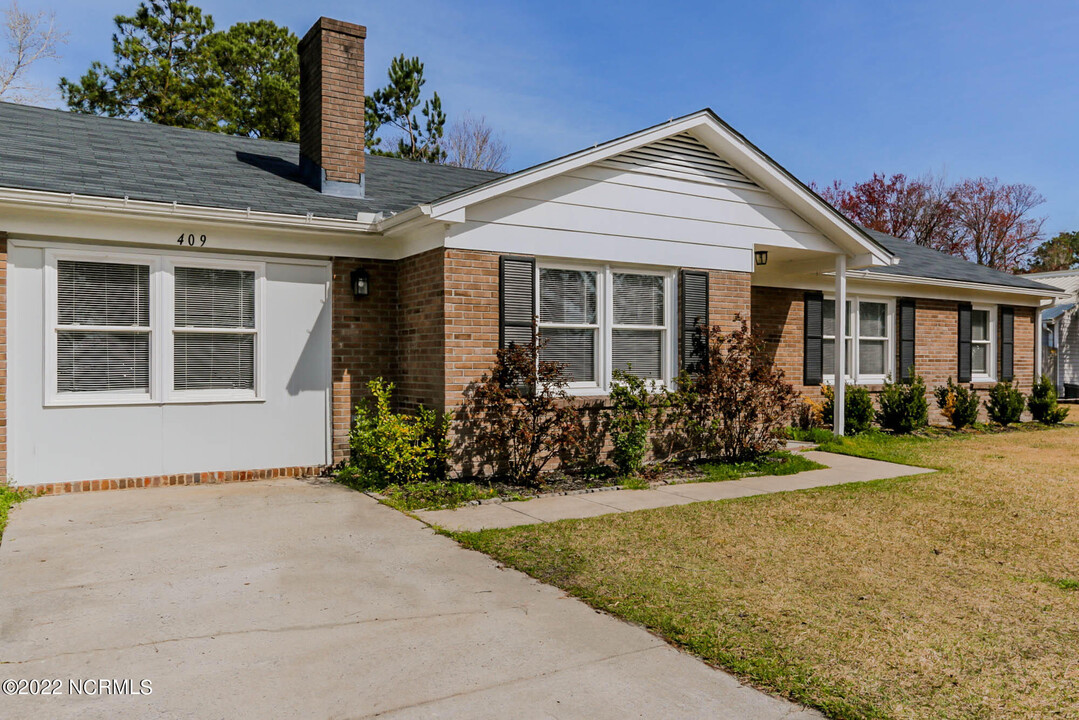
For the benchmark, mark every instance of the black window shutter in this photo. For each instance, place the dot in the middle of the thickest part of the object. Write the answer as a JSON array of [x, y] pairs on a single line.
[[516, 300], [694, 304], [1007, 343], [906, 333], [813, 369], [963, 371]]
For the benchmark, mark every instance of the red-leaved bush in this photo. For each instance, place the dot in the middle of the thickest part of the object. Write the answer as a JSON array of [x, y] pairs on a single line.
[[732, 408], [516, 418]]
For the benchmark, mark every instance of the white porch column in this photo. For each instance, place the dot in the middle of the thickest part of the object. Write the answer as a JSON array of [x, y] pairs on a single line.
[[840, 387]]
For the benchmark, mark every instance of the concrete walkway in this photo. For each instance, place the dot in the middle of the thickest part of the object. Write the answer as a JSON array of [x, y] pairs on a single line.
[[841, 469], [290, 599]]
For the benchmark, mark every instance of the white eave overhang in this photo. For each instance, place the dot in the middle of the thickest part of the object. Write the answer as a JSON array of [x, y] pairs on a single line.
[[1049, 295]]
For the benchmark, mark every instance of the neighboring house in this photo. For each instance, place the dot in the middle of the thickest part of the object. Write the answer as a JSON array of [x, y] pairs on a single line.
[[184, 306], [1060, 332]]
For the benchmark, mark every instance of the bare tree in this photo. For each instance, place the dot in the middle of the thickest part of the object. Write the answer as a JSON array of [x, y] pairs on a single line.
[[29, 36], [996, 219], [471, 143]]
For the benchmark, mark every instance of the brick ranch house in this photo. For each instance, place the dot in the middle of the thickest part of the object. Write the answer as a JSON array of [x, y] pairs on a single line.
[[183, 306]]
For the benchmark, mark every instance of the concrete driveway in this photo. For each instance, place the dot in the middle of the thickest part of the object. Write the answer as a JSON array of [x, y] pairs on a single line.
[[294, 599]]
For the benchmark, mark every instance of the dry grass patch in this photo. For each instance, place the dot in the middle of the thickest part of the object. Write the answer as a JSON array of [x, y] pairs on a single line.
[[950, 595]]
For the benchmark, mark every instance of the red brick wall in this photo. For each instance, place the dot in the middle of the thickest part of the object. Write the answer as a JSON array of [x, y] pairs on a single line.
[[364, 338], [471, 306], [332, 99], [728, 296], [778, 316], [421, 351]]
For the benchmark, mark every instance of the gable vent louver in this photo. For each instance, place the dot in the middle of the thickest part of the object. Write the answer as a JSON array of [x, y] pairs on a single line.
[[683, 157]]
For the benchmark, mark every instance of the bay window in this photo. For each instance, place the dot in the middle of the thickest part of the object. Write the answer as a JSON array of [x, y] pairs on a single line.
[[868, 342], [142, 328], [597, 320]]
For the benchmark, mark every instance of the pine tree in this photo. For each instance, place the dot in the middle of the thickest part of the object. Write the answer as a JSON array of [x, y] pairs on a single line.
[[395, 105]]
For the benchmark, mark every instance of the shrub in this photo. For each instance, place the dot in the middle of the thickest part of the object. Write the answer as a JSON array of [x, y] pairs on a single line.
[[394, 448], [1043, 403], [1005, 404], [958, 404], [858, 408], [810, 415], [516, 419], [733, 408], [903, 407], [630, 421]]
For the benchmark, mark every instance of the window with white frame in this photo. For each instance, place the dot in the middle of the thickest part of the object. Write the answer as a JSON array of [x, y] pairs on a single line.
[[868, 340], [102, 328], [130, 327], [596, 320], [982, 333], [214, 330]]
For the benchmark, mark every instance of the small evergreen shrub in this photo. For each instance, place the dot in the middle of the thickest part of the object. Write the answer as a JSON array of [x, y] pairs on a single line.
[[859, 408], [1005, 404], [1043, 403], [394, 448], [958, 404], [903, 407], [630, 421]]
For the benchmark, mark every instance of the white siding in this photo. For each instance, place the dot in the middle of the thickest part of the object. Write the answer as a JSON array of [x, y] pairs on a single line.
[[671, 202], [1068, 352], [288, 428]]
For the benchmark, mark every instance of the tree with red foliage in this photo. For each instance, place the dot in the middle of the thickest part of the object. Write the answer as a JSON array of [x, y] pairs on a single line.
[[996, 223], [980, 219]]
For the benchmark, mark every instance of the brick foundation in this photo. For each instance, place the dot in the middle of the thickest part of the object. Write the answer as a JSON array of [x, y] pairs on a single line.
[[204, 478]]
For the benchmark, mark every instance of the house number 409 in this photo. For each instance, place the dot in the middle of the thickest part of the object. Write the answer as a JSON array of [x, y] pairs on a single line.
[[191, 240]]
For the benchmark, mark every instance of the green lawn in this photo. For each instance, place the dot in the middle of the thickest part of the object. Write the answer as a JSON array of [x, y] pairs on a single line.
[[952, 595]]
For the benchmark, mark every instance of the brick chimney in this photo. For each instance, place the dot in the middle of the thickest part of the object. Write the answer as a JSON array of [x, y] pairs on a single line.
[[332, 107]]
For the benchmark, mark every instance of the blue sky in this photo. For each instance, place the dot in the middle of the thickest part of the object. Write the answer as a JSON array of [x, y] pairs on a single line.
[[829, 89]]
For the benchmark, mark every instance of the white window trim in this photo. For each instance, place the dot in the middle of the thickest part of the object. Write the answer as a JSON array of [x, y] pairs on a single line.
[[605, 321], [854, 333], [162, 322], [991, 353]]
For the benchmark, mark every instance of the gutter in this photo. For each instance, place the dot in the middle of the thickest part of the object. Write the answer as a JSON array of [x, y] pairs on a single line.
[[364, 222], [963, 284]]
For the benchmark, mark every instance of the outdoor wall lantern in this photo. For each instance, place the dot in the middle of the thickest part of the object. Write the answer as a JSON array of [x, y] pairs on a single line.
[[361, 283], [762, 257]]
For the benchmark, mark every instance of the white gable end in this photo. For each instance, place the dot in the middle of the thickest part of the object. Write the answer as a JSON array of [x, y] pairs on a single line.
[[670, 202]]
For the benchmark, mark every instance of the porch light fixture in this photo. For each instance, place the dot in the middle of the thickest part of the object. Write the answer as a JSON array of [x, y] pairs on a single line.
[[762, 257], [361, 283]]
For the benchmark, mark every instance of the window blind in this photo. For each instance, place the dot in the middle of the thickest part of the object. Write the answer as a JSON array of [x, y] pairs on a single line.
[[103, 334], [207, 301], [567, 296], [638, 301], [574, 348]]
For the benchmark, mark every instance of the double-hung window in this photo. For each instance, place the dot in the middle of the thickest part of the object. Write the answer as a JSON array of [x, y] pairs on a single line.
[[214, 329], [868, 342], [145, 328], [982, 347], [597, 320], [102, 331]]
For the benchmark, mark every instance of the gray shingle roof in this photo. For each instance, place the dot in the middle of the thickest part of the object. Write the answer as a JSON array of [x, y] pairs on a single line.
[[63, 152], [918, 261], [105, 157]]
